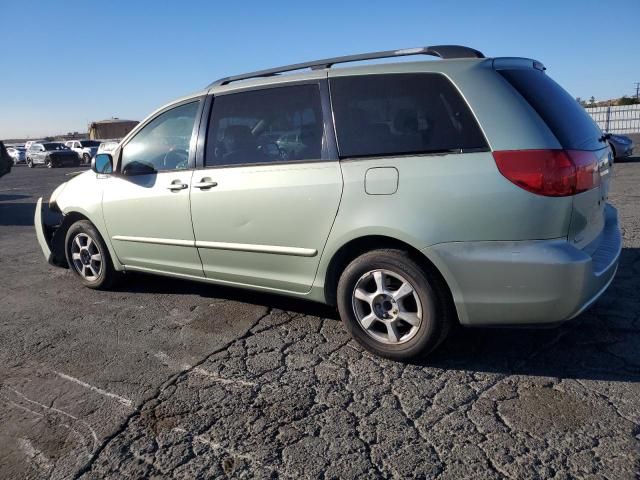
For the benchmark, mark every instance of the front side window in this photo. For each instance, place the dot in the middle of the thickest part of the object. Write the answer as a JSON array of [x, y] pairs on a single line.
[[162, 144], [401, 114], [263, 126]]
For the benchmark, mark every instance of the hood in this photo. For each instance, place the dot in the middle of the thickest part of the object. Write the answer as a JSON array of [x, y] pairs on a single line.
[[55, 194], [74, 178], [60, 152]]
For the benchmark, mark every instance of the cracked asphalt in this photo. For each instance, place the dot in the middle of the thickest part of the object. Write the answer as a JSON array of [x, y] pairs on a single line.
[[165, 378]]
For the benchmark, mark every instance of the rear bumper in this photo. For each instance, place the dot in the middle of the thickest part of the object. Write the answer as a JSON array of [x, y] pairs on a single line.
[[528, 282]]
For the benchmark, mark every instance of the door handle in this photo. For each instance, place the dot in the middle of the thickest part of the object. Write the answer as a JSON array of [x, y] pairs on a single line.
[[205, 183], [177, 185]]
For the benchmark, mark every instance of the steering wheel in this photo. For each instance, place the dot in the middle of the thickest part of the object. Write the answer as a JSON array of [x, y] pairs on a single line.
[[175, 159]]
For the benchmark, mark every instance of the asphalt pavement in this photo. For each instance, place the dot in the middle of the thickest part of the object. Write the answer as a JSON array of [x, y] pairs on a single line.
[[170, 378]]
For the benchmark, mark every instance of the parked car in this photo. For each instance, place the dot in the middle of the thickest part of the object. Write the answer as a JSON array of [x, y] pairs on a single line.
[[86, 149], [28, 144], [18, 154], [51, 154], [5, 160], [415, 204], [621, 145]]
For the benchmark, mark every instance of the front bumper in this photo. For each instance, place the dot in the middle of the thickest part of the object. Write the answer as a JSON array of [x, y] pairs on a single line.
[[624, 151], [528, 282], [46, 223], [38, 222], [66, 160]]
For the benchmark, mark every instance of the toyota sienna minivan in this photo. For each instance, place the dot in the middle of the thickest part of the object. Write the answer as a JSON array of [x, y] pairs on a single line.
[[410, 195]]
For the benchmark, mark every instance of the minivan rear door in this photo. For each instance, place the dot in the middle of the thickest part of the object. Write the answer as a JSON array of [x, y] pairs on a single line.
[[576, 131]]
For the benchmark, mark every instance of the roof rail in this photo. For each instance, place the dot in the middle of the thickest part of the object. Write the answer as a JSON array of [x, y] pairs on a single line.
[[442, 51]]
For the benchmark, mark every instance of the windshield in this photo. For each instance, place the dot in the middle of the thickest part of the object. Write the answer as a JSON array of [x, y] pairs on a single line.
[[54, 146], [567, 119], [89, 143]]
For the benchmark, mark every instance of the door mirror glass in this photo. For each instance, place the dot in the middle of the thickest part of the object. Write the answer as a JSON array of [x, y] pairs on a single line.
[[102, 163]]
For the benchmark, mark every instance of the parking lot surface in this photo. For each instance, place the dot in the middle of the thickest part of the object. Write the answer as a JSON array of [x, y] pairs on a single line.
[[169, 378]]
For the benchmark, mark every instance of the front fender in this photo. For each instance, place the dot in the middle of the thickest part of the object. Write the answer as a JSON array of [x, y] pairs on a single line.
[[82, 199]]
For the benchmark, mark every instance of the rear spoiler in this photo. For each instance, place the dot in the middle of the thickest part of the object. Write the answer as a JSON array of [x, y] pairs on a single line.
[[504, 63]]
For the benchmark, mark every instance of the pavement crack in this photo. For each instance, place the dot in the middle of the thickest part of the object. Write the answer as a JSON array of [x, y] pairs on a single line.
[[170, 382]]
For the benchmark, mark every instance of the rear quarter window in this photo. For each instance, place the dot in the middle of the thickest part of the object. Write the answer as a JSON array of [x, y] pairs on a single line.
[[401, 114], [565, 117]]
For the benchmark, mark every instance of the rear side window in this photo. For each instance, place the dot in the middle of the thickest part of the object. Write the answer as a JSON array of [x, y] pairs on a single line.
[[265, 126], [565, 117], [399, 114]]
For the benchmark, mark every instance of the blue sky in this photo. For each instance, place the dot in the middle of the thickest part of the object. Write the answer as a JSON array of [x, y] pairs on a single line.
[[66, 63]]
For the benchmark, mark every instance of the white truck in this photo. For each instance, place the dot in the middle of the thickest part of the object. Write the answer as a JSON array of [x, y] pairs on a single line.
[[86, 149]]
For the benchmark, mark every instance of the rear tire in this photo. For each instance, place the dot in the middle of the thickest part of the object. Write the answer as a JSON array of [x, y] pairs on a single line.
[[29, 163], [86, 159], [88, 256], [391, 306], [49, 163]]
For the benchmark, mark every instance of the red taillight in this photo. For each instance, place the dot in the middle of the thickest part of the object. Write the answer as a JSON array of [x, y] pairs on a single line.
[[553, 173]]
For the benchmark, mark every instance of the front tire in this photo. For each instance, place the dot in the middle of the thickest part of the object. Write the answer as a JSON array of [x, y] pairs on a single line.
[[29, 163], [391, 307], [49, 163], [88, 256]]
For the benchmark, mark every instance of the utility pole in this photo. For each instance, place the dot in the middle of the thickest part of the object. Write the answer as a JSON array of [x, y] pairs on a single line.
[[637, 91]]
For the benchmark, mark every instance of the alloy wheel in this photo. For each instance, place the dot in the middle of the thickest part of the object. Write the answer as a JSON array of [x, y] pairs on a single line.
[[86, 257], [387, 306]]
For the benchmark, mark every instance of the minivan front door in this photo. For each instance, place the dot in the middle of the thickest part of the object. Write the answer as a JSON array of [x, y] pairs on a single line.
[[263, 207], [146, 204]]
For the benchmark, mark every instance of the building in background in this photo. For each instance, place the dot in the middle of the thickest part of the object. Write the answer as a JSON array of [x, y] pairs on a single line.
[[112, 128]]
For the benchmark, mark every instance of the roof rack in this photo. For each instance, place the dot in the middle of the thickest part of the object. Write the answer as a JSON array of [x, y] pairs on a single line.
[[442, 51]]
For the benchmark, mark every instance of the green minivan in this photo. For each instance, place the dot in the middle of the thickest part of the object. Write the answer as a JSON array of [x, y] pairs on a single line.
[[410, 195]]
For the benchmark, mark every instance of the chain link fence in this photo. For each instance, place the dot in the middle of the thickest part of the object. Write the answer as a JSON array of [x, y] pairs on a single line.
[[623, 119]]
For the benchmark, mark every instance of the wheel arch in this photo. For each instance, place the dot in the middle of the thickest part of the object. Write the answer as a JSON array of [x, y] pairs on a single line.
[[357, 246], [58, 242]]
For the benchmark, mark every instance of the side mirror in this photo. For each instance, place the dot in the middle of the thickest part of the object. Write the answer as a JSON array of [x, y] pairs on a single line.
[[102, 163]]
